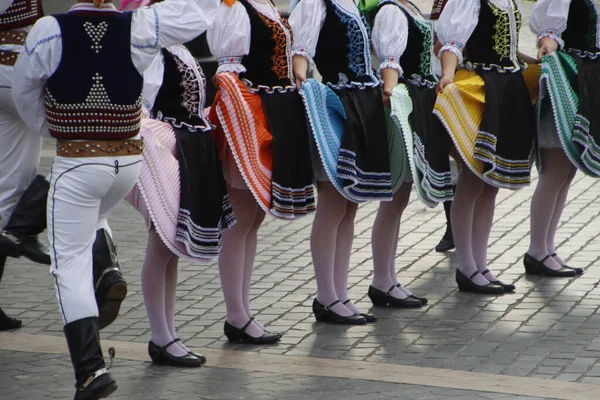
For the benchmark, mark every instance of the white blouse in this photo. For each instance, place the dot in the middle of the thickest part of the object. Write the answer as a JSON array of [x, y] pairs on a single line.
[[459, 20], [390, 36], [549, 19], [161, 25], [229, 37], [307, 20]]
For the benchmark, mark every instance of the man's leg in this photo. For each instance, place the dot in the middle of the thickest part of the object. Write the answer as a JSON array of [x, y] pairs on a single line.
[[6, 323]]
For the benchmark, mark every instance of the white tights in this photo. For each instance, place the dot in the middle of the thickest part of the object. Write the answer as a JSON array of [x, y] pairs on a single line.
[[236, 259], [384, 242], [331, 245], [472, 216], [548, 203]]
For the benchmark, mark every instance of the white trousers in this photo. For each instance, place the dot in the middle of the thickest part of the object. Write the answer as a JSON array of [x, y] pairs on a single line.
[[83, 193], [20, 150]]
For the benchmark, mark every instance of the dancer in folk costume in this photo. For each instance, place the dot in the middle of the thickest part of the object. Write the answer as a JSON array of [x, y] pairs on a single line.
[[403, 41], [66, 74], [569, 122], [180, 193], [487, 108], [349, 141], [263, 143]]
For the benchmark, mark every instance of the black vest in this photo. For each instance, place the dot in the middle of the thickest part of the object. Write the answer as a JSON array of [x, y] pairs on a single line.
[[582, 27], [338, 59], [181, 98], [416, 59], [20, 14], [88, 97], [492, 44], [269, 60]]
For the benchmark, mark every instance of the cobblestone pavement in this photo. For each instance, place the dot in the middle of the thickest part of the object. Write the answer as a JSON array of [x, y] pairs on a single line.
[[548, 329]]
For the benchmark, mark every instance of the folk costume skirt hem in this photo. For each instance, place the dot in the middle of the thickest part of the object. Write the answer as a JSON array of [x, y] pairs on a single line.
[[348, 127], [265, 133], [181, 190], [426, 140], [490, 117], [568, 109]]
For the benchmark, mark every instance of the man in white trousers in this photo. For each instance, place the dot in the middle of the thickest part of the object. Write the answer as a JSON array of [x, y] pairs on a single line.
[[19, 150], [80, 80]]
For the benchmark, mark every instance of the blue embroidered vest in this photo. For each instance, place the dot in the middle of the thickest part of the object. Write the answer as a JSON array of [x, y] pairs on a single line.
[[20, 14], [492, 43], [416, 59], [343, 53], [88, 97], [582, 27]]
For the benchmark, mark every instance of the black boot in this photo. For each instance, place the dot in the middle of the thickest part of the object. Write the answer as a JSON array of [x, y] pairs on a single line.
[[109, 284], [28, 220], [93, 380], [6, 323], [447, 242]]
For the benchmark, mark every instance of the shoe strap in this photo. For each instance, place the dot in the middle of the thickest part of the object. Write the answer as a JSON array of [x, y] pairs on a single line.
[[473, 275], [250, 321], [327, 308], [487, 271], [545, 258], [346, 302], [171, 343], [91, 378], [390, 290], [106, 271]]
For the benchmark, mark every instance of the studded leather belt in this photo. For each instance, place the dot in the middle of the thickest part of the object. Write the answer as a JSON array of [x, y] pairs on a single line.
[[99, 148], [12, 37], [8, 58]]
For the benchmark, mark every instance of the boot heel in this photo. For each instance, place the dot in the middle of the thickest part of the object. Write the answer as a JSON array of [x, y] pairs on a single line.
[[377, 300]]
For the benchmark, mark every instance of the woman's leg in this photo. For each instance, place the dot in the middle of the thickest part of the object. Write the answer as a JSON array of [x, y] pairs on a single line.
[[251, 244], [343, 250], [468, 189], [483, 219], [232, 259], [545, 204], [154, 282], [384, 241], [331, 209]]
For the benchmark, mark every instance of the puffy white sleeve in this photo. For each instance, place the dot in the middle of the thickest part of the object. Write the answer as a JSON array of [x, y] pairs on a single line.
[[229, 37], [456, 25], [4, 4], [306, 22], [166, 24], [549, 19], [390, 37], [36, 63], [153, 80]]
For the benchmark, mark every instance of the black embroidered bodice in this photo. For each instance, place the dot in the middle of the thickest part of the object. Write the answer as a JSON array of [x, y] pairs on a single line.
[[582, 33], [269, 63], [416, 59], [495, 40], [181, 98], [343, 54], [87, 97], [20, 14]]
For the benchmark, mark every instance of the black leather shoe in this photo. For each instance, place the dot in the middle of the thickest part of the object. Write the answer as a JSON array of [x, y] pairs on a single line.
[[446, 244], [466, 284], [578, 271], [385, 299], [370, 318], [508, 288], [537, 267], [326, 314], [97, 387], [161, 356], [197, 355], [8, 323], [109, 285], [8, 247], [423, 300], [239, 335], [31, 248]]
